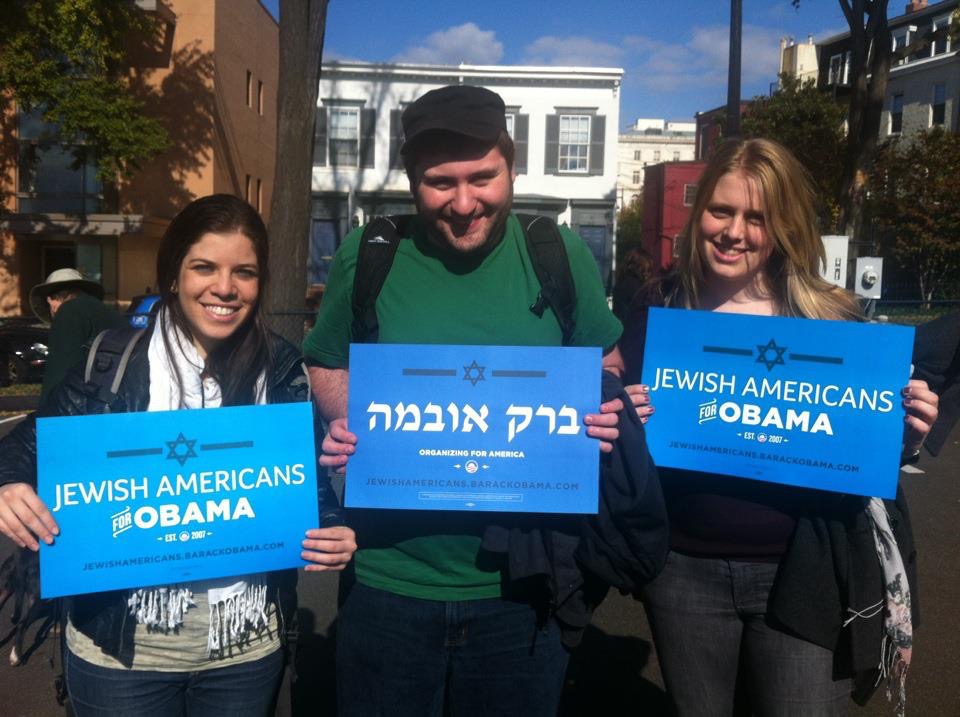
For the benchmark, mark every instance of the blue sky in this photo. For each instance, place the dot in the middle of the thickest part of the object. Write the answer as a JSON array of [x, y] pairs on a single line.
[[674, 52]]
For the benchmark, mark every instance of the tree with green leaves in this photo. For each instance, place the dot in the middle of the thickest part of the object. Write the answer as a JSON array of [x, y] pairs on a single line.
[[871, 56], [68, 60], [629, 226], [634, 265], [810, 124], [915, 201]]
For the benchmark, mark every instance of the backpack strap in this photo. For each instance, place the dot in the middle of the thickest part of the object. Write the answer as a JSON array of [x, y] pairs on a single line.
[[107, 361], [378, 247], [552, 267]]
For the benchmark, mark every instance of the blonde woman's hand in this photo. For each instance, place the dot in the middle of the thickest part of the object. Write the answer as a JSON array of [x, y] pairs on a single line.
[[921, 405], [640, 397]]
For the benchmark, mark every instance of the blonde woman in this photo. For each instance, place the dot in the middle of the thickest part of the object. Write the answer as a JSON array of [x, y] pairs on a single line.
[[761, 578]]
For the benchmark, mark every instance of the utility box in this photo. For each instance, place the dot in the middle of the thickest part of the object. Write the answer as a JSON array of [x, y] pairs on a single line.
[[868, 277], [835, 270], [668, 193]]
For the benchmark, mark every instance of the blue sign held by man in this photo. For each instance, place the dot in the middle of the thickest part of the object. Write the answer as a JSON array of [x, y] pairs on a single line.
[[485, 428]]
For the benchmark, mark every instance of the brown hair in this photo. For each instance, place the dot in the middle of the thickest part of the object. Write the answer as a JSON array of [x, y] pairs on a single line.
[[236, 363], [789, 201]]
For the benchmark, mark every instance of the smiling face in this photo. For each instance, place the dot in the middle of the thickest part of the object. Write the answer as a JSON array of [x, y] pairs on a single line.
[[733, 241], [464, 196], [217, 287]]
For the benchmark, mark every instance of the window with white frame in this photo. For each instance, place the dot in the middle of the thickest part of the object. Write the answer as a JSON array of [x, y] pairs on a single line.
[[941, 45], [901, 38], [689, 194], [656, 155], [676, 156], [574, 142], [839, 69], [636, 177], [344, 133], [637, 155], [509, 117], [938, 107], [896, 114]]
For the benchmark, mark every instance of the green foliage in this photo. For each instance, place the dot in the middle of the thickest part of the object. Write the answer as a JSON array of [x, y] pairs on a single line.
[[916, 205], [629, 226], [810, 124], [69, 59]]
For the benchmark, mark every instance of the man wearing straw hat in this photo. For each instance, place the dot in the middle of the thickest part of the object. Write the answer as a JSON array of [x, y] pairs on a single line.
[[74, 308]]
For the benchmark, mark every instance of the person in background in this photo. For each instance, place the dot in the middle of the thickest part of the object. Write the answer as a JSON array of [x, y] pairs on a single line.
[[75, 310], [773, 595]]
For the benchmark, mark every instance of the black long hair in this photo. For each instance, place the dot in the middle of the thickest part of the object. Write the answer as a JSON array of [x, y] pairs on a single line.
[[237, 362]]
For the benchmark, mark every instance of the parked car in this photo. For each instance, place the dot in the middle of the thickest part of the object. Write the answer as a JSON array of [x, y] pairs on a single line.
[[23, 349], [142, 309]]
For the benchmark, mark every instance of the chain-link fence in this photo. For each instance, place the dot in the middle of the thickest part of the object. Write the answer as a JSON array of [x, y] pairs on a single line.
[[292, 325], [911, 312]]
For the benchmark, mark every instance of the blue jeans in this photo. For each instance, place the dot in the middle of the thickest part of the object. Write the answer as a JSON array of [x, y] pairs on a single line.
[[405, 656], [708, 618], [249, 688]]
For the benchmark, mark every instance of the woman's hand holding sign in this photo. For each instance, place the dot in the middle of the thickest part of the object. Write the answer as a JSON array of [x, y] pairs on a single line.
[[329, 548], [24, 517], [639, 394], [921, 405]]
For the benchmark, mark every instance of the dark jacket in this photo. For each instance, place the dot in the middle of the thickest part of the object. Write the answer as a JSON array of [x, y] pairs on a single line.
[[73, 328], [936, 358], [829, 571], [103, 616], [576, 559]]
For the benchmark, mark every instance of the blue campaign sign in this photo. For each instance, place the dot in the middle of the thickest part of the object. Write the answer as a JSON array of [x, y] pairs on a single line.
[[485, 428], [795, 401], [156, 498]]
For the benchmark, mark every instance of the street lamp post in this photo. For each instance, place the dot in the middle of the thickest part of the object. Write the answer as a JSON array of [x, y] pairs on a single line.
[[733, 69]]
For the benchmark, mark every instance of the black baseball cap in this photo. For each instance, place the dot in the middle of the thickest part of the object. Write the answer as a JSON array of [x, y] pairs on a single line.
[[461, 109]]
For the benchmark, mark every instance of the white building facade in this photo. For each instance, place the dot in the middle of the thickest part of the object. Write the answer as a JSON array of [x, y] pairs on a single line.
[[563, 122], [648, 142]]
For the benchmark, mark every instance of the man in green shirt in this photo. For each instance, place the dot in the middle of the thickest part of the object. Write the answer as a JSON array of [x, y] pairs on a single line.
[[432, 618]]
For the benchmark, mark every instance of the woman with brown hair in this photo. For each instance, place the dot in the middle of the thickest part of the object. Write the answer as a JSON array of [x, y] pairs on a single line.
[[209, 647]]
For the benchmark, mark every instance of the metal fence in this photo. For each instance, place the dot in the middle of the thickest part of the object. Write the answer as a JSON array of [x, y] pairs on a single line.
[[292, 324], [898, 311]]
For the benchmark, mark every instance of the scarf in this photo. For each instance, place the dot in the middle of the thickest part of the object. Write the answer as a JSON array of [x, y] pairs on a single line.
[[237, 605], [897, 646]]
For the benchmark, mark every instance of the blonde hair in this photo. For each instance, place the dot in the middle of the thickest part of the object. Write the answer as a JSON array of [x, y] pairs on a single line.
[[793, 269]]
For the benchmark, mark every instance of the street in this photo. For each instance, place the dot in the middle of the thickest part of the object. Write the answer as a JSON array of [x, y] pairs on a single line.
[[615, 670]]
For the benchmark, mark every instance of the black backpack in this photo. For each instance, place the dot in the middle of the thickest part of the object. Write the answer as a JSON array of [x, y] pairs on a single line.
[[107, 361], [378, 246]]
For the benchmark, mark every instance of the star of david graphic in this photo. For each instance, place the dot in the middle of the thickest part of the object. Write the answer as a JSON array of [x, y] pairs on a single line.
[[176, 454], [474, 373], [762, 357]]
